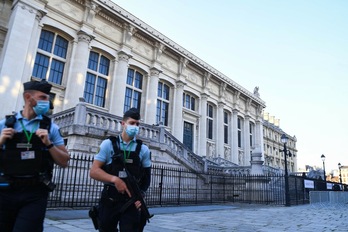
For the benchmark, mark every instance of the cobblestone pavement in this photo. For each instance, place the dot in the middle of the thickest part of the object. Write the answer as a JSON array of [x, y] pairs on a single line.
[[227, 218]]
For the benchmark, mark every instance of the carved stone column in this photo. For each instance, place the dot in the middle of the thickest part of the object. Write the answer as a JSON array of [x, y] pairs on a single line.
[[220, 130], [234, 133], [77, 77], [18, 53], [120, 82], [246, 133], [177, 116], [202, 140], [151, 101]]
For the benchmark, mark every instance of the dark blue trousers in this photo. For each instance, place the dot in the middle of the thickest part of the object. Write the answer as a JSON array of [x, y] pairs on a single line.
[[23, 209], [109, 217]]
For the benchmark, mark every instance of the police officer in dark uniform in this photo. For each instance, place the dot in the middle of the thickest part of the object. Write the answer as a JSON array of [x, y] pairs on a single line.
[[29, 146], [108, 167]]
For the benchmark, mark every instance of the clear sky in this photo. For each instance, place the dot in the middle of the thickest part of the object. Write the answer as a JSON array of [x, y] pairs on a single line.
[[295, 51]]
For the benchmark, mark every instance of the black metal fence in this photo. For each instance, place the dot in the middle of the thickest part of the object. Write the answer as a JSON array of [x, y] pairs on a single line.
[[172, 186]]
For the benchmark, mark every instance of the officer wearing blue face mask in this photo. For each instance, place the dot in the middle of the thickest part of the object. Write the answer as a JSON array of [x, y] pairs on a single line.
[[30, 144], [116, 153]]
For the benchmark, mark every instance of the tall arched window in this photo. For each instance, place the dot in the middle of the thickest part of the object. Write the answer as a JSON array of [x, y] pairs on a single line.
[[226, 127], [134, 90], [96, 79], [210, 120], [251, 133], [162, 103], [239, 128], [50, 57], [189, 101]]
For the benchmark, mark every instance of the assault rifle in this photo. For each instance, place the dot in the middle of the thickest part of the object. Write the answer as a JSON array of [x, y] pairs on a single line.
[[136, 195]]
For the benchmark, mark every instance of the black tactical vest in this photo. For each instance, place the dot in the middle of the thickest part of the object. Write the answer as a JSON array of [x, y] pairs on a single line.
[[118, 163], [17, 161]]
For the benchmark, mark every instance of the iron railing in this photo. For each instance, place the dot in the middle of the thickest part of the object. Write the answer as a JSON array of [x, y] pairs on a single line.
[[175, 186]]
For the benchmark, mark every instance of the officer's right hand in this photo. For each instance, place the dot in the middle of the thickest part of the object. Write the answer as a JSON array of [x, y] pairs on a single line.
[[6, 133], [121, 186]]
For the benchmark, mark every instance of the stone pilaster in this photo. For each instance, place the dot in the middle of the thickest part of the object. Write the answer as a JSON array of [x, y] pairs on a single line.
[[77, 78], [202, 140], [151, 101], [177, 119], [120, 82], [17, 53], [246, 133], [220, 129], [234, 133]]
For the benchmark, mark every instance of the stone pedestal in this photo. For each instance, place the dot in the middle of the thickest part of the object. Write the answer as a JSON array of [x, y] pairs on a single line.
[[256, 162]]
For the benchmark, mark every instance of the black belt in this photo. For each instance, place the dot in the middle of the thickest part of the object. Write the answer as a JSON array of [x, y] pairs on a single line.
[[17, 182]]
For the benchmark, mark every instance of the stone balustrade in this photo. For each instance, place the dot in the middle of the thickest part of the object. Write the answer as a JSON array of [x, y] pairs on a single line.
[[85, 127]]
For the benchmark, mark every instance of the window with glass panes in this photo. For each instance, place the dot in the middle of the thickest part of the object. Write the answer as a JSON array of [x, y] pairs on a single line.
[[50, 57], [162, 103], [226, 126], [134, 89], [96, 79], [251, 133], [239, 128], [210, 120], [188, 101]]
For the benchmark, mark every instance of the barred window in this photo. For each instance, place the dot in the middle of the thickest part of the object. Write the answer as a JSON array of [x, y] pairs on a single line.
[[133, 90], [162, 103], [96, 79], [50, 57]]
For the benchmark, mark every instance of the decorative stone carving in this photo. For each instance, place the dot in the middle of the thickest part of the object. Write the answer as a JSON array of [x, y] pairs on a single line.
[[91, 11], [240, 158], [123, 57], [128, 32], [206, 79], [182, 65], [256, 91], [155, 72], [222, 89], [84, 37], [159, 48]]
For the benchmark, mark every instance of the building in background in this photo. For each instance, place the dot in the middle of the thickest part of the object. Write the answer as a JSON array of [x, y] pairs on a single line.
[[102, 61], [273, 147]]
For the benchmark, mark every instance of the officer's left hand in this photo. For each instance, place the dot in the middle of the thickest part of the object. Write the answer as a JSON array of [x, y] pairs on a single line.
[[43, 135], [137, 205]]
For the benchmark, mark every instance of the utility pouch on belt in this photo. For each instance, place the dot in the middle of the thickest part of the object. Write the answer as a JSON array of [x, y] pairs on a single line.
[[93, 214]]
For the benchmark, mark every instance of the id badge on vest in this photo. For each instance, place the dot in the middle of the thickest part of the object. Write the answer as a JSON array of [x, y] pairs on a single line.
[[25, 155], [122, 174]]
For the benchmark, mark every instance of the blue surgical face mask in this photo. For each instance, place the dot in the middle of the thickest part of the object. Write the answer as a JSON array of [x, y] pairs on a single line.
[[132, 130], [41, 107]]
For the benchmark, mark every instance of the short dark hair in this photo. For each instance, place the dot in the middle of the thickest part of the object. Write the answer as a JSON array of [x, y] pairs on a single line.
[[131, 113]]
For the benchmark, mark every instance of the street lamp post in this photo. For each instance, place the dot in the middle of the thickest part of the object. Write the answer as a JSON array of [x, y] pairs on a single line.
[[284, 140], [323, 159], [339, 168]]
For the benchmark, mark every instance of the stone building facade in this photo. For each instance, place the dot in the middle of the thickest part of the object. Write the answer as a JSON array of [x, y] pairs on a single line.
[[273, 147], [102, 60]]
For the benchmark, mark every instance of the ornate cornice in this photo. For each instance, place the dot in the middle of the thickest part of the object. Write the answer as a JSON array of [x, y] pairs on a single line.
[[142, 38], [157, 36], [109, 19]]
